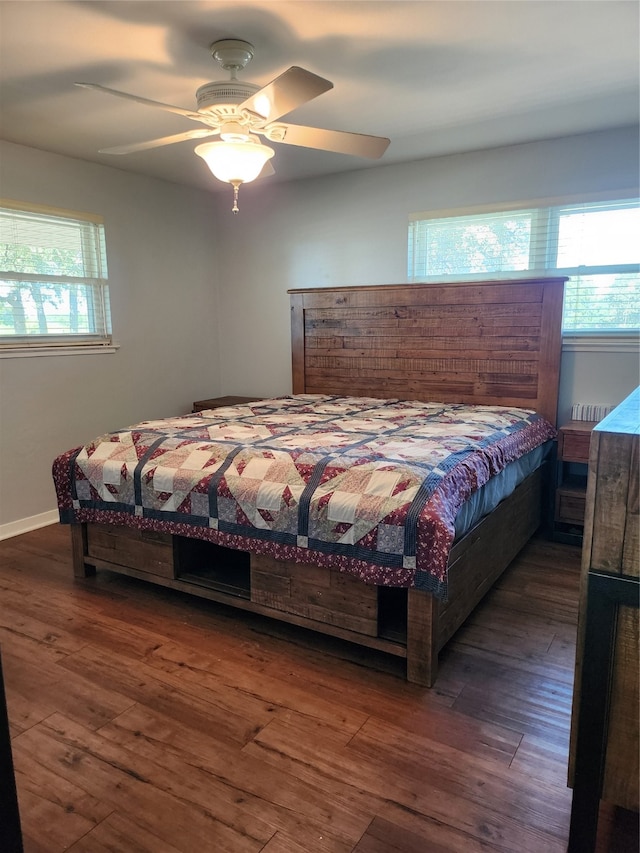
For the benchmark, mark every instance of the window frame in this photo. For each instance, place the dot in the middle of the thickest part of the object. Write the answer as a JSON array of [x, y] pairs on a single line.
[[91, 234]]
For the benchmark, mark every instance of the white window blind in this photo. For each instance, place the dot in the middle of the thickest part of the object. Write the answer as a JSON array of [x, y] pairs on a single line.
[[53, 278], [596, 244]]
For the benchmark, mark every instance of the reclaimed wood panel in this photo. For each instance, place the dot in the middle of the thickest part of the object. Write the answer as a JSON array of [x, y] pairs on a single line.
[[317, 593], [475, 568], [487, 343], [139, 549], [622, 768]]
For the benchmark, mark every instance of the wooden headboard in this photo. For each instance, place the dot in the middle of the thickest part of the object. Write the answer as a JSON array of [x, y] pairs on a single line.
[[492, 342]]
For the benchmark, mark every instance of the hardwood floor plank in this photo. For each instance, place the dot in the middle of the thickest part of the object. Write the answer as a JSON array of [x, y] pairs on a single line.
[[538, 706], [228, 774], [410, 780], [30, 845], [50, 543], [432, 834], [33, 618], [161, 804], [53, 825], [530, 636], [539, 759], [37, 779], [282, 689], [470, 736], [19, 624], [539, 668], [281, 843], [386, 836], [510, 792], [118, 833], [49, 688], [234, 716]]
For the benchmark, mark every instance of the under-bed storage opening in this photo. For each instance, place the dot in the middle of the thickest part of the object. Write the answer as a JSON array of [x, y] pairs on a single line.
[[392, 613], [213, 566]]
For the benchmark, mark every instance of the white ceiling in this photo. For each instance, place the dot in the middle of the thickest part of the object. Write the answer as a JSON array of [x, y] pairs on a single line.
[[436, 77]]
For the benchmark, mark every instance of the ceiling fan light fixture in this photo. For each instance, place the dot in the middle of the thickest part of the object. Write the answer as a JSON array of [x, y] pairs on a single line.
[[235, 162]]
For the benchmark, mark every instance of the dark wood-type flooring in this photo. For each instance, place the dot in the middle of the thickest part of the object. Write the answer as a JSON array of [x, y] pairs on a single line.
[[145, 720]]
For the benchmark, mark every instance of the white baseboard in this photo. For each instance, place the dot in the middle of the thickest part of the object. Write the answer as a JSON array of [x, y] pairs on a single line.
[[24, 525]]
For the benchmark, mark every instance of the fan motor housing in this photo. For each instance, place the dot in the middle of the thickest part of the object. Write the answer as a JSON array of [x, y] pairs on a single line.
[[223, 93]]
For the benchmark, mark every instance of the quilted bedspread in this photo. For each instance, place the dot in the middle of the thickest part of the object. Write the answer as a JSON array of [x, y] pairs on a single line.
[[365, 485]]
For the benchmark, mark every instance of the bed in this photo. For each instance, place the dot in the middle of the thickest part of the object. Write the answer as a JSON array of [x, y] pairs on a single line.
[[322, 508]]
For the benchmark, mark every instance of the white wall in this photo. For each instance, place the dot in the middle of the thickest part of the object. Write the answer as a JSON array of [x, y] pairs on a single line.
[[162, 256], [352, 229], [199, 296]]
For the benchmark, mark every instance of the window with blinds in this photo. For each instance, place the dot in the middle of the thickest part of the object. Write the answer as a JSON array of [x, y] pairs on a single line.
[[53, 278], [596, 244]]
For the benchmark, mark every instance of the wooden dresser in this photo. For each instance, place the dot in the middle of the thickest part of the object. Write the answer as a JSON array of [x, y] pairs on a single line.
[[604, 731]]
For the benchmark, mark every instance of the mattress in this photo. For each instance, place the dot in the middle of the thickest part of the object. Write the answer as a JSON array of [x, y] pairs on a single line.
[[486, 499]]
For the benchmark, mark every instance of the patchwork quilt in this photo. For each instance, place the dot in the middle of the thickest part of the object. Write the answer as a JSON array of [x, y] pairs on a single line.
[[364, 485]]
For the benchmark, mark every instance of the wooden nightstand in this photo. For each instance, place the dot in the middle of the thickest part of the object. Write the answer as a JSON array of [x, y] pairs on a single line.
[[219, 402], [574, 438]]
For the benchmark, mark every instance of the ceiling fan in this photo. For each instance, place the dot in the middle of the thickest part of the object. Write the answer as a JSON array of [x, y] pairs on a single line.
[[239, 113]]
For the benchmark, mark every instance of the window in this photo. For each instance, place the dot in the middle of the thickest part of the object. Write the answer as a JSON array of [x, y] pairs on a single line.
[[53, 278], [595, 244]]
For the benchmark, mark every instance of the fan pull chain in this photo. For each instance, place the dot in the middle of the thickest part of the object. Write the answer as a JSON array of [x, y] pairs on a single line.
[[236, 187]]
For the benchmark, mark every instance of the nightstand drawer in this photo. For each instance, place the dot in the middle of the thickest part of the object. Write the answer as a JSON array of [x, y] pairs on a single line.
[[573, 445]]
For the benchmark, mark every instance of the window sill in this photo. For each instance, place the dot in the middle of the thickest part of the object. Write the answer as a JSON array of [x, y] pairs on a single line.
[[84, 349], [600, 343]]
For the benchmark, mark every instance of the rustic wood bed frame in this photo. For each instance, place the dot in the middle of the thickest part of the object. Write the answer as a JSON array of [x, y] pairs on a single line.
[[487, 343]]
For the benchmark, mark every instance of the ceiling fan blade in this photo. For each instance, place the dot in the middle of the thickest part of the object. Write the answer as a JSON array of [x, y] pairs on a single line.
[[340, 141], [288, 91], [156, 143], [267, 170], [195, 116]]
